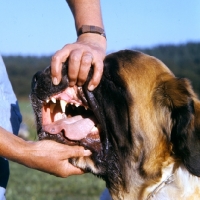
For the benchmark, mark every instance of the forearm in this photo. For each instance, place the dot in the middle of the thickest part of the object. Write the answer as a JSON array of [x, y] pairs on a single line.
[[86, 12], [47, 156], [12, 147], [89, 49]]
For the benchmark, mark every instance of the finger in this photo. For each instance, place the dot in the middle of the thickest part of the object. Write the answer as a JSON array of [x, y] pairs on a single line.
[[73, 66], [66, 169], [77, 151], [86, 62], [71, 170], [56, 64], [98, 71]]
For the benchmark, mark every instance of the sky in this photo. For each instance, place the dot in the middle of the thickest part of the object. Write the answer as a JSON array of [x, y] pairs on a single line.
[[41, 27]]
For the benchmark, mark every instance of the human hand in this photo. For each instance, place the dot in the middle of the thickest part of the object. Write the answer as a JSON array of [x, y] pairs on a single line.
[[89, 50], [52, 157]]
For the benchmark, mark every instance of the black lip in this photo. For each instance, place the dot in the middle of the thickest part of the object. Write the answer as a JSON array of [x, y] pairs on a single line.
[[43, 88], [98, 114]]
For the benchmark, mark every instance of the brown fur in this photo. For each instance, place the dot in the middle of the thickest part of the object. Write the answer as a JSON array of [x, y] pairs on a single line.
[[156, 92], [150, 129]]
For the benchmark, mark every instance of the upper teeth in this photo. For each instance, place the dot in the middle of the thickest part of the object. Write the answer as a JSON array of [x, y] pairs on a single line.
[[53, 99], [63, 105]]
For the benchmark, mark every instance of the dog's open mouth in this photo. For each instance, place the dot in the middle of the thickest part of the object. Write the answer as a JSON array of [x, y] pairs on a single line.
[[67, 118]]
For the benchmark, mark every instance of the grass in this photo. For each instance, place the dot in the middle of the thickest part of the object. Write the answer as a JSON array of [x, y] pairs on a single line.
[[25, 183]]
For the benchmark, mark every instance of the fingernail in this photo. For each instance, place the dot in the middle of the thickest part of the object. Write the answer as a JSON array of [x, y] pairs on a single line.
[[87, 152], [72, 83], [55, 81], [91, 87]]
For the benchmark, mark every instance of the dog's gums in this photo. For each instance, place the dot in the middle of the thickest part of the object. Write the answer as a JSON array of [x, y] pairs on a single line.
[[68, 112], [64, 114]]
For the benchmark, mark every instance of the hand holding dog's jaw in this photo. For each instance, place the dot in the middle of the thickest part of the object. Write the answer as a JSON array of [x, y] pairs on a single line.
[[47, 156], [52, 157], [74, 128]]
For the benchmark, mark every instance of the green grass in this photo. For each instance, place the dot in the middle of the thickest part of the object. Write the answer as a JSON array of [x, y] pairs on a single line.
[[25, 183]]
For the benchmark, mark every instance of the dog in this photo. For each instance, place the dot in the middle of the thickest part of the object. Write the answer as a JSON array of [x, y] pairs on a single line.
[[147, 143]]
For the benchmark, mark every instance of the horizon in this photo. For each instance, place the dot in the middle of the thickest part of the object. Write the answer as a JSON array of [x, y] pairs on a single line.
[[131, 48], [42, 28]]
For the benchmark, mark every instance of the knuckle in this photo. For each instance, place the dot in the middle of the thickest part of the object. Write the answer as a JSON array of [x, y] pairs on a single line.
[[56, 56], [74, 57], [86, 60]]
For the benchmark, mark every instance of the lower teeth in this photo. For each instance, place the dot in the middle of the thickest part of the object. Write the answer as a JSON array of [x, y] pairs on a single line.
[[64, 116]]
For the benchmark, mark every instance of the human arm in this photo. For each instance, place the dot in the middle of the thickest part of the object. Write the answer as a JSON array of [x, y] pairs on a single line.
[[47, 156], [89, 49]]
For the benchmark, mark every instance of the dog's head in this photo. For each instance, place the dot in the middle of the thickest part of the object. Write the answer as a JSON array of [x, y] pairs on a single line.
[[144, 115]]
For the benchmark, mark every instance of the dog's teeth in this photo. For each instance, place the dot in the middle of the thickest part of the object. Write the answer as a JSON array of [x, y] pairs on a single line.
[[77, 105], [47, 101], [85, 107], [52, 106], [63, 105], [94, 129], [53, 99], [64, 115]]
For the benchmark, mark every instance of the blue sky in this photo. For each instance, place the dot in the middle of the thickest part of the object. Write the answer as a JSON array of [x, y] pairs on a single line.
[[42, 27]]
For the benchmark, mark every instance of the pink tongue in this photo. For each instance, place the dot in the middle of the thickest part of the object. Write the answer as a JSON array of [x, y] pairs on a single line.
[[75, 128]]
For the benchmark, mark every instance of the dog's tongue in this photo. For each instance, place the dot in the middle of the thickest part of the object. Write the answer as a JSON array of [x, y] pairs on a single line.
[[75, 128]]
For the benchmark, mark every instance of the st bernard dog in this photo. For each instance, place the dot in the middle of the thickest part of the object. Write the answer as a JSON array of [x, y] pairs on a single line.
[[146, 143]]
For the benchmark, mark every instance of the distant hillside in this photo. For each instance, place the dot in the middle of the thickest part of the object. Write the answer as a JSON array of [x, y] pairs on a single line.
[[21, 70], [183, 60]]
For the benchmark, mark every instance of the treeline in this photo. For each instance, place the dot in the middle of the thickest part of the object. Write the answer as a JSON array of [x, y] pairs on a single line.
[[183, 60], [21, 70]]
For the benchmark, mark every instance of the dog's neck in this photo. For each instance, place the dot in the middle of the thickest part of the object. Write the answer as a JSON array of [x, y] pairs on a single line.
[[147, 189], [166, 179], [175, 180], [169, 180]]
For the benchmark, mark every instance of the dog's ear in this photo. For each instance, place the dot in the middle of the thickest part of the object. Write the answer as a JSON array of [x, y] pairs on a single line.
[[185, 114]]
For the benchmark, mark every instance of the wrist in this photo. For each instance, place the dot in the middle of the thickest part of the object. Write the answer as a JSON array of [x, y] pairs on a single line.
[[91, 29], [93, 39]]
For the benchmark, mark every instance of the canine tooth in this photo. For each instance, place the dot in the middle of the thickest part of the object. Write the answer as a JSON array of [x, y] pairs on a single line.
[[77, 105], [63, 105], [85, 107], [53, 99], [52, 106], [47, 100]]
